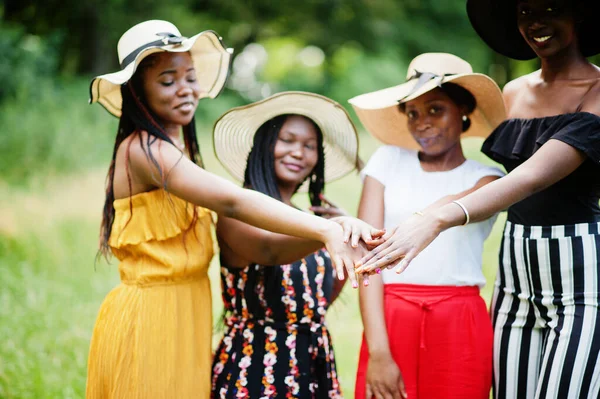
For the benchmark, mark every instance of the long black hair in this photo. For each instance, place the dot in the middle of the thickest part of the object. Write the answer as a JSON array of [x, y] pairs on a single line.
[[260, 167], [137, 117], [260, 176]]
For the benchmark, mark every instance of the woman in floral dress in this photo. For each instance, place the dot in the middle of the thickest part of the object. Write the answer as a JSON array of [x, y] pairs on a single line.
[[276, 343]]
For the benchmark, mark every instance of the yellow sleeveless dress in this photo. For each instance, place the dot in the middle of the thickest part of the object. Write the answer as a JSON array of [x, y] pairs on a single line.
[[152, 338]]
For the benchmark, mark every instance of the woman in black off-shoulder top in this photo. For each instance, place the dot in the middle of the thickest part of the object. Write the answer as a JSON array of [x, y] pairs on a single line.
[[545, 307]]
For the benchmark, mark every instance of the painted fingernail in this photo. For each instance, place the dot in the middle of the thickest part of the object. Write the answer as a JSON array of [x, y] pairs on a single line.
[[354, 284], [366, 283], [378, 271]]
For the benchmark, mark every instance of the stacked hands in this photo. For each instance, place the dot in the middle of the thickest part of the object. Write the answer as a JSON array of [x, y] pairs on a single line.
[[364, 250], [399, 246]]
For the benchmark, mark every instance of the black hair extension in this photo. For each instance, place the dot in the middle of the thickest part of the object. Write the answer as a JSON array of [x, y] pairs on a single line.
[[260, 176], [136, 117]]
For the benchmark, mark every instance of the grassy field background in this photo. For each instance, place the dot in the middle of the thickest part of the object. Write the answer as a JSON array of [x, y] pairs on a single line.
[[51, 287]]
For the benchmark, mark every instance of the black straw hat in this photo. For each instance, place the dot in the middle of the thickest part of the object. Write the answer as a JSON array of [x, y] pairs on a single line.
[[495, 21]]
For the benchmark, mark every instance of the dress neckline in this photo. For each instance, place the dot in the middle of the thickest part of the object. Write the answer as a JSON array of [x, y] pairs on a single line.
[[433, 172], [143, 199], [539, 118], [138, 195]]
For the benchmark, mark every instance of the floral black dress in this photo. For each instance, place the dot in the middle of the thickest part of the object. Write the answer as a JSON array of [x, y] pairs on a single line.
[[276, 344]]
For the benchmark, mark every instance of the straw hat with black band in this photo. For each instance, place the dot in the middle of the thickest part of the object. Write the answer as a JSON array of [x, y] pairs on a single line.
[[495, 21], [380, 113], [210, 57], [234, 131]]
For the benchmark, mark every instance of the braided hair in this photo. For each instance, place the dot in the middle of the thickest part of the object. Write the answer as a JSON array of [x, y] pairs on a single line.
[[137, 117], [260, 176]]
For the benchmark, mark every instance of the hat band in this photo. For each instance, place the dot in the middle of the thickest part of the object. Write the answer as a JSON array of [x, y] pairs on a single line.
[[424, 77], [168, 38]]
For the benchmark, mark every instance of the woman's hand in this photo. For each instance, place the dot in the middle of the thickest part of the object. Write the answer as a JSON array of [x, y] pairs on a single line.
[[329, 211], [401, 245], [384, 379], [356, 230], [343, 256]]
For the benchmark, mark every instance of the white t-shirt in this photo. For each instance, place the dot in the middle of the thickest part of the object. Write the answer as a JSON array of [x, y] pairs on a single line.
[[454, 258]]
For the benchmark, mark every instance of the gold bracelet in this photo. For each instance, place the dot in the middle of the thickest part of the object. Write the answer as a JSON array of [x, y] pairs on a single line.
[[467, 217]]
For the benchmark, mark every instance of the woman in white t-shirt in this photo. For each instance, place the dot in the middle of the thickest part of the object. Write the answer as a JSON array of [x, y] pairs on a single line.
[[427, 331]]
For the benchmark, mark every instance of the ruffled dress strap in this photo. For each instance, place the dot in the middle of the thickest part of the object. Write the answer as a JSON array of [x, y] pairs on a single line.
[[516, 140], [154, 215]]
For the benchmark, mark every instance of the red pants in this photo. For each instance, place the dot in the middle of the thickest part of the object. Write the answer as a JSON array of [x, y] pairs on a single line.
[[441, 339]]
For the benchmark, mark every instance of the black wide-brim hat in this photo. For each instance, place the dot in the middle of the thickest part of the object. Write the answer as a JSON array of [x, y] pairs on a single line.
[[495, 21]]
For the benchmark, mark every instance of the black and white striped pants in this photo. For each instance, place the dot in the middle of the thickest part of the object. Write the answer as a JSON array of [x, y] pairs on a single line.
[[545, 312]]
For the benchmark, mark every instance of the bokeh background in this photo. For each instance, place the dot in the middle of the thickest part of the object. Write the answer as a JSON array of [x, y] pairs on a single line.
[[55, 148]]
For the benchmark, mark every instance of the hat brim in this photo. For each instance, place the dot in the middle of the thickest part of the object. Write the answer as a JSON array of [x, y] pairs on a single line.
[[211, 61], [233, 132], [380, 114], [495, 21]]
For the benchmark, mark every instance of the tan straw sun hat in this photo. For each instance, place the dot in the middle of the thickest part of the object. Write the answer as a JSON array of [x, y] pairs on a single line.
[[234, 131], [211, 60], [379, 112]]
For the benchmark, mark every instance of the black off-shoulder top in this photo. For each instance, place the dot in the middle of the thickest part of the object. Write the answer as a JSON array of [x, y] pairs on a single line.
[[572, 200]]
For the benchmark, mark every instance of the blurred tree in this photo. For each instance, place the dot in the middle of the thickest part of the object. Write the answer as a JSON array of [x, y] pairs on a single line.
[[92, 27], [388, 30]]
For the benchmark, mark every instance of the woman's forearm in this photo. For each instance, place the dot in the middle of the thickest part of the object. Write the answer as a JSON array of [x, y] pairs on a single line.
[[551, 163], [260, 246], [453, 197], [267, 213], [372, 314], [372, 210], [287, 249], [482, 203]]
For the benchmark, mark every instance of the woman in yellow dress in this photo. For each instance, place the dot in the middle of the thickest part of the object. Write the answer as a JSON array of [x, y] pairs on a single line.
[[153, 333]]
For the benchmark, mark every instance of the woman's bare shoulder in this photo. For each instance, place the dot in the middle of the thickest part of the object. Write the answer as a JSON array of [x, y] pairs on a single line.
[[512, 88], [517, 87], [136, 162], [591, 102]]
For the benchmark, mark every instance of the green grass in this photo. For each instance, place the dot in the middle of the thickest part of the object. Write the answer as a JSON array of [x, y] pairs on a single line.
[[47, 309], [51, 289]]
